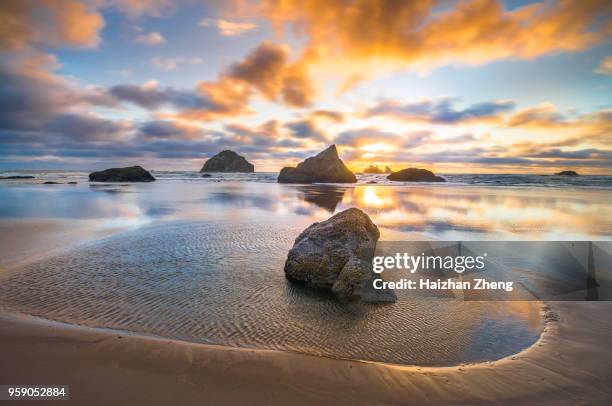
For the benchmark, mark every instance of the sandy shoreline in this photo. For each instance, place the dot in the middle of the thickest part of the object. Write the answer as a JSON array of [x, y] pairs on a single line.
[[568, 365]]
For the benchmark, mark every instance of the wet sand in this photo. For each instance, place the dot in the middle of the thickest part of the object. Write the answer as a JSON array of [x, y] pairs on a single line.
[[568, 365], [23, 241]]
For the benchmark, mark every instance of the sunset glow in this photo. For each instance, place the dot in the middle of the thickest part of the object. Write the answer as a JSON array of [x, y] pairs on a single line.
[[478, 86]]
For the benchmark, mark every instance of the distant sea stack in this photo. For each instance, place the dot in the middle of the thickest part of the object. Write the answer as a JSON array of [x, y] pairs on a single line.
[[325, 167], [372, 169], [415, 175], [336, 255], [129, 174], [17, 177], [388, 170], [227, 161], [567, 173]]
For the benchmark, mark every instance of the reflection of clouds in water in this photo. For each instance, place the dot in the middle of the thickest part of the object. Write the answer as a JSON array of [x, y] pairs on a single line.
[[447, 212], [460, 212]]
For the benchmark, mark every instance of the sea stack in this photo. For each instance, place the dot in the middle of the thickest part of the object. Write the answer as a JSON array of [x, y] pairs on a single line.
[[227, 161], [129, 174], [336, 254], [325, 167], [372, 169], [415, 175], [388, 170], [567, 173]]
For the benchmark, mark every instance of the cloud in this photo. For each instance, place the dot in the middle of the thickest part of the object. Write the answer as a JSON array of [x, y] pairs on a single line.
[[49, 23], [267, 69], [369, 37], [228, 28], [440, 111], [545, 115], [88, 127], [333, 116], [150, 96], [136, 8], [225, 97], [459, 139], [306, 129], [168, 129], [364, 136], [169, 64], [590, 153], [605, 67], [149, 38], [31, 93], [211, 100]]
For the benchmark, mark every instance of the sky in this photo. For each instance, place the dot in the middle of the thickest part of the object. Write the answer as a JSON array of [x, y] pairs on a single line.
[[474, 86]]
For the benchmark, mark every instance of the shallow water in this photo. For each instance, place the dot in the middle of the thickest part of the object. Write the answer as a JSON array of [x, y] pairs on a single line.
[[203, 262], [206, 282]]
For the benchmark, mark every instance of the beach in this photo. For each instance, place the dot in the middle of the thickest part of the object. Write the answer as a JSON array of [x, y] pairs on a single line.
[[568, 365], [110, 293]]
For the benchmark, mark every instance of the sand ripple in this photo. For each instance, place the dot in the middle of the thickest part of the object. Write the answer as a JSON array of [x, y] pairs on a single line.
[[214, 283]]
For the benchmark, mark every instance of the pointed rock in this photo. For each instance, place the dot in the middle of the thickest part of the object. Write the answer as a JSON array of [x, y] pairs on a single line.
[[325, 167]]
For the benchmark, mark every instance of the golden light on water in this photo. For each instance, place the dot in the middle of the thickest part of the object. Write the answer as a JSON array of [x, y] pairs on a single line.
[[373, 197]]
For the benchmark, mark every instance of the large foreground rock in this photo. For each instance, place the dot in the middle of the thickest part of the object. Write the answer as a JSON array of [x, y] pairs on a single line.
[[415, 175], [227, 161], [336, 254], [129, 174], [325, 167]]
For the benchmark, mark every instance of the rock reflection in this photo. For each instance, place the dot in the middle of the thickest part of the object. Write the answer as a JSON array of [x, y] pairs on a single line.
[[326, 197]]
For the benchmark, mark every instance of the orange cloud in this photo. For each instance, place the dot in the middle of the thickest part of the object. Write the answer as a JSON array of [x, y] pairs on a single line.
[[346, 35], [225, 97], [48, 22], [267, 69]]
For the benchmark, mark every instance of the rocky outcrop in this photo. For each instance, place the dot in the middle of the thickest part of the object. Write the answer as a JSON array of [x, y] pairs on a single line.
[[567, 173], [325, 167], [336, 254], [129, 174], [415, 175], [372, 169], [17, 177], [388, 170], [227, 161]]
